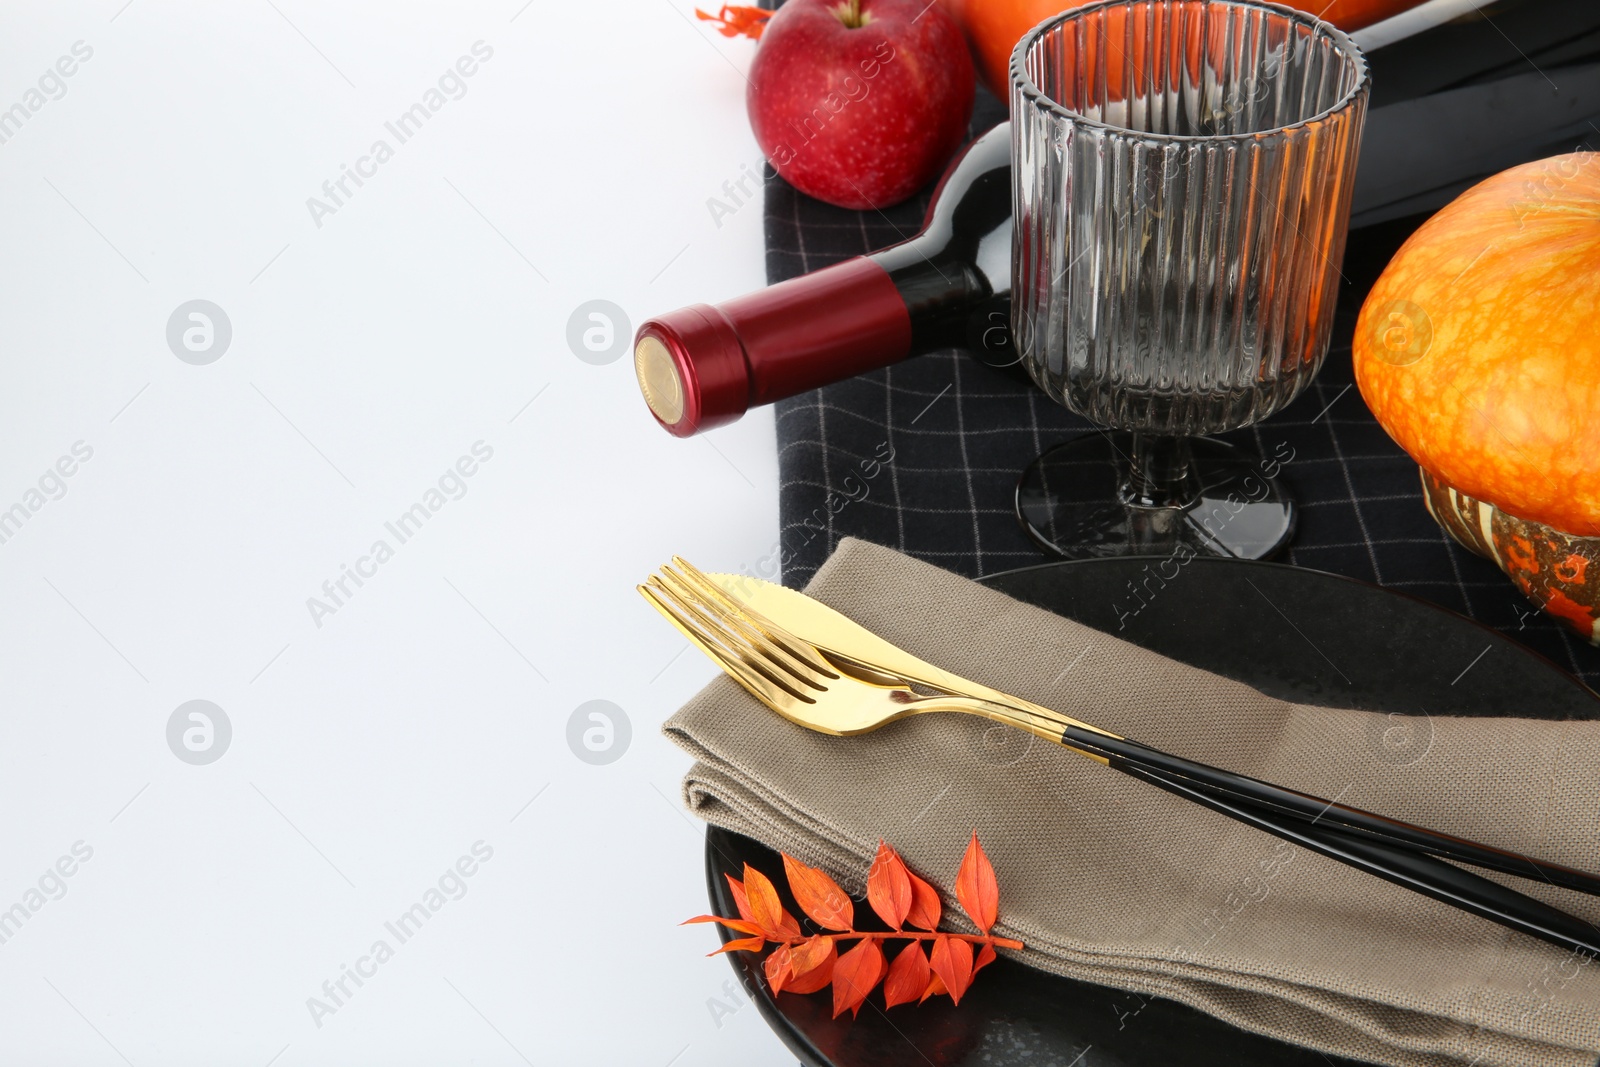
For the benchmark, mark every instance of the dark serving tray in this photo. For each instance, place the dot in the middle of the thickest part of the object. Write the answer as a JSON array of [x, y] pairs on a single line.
[[1350, 644]]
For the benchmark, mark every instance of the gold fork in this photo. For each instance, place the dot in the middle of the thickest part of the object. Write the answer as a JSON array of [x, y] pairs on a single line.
[[830, 693]]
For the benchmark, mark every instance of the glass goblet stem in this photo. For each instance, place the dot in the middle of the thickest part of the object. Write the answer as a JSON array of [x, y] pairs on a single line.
[[1160, 473]]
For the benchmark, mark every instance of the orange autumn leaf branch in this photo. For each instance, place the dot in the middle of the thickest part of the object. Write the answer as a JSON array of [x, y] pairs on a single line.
[[801, 963], [737, 21]]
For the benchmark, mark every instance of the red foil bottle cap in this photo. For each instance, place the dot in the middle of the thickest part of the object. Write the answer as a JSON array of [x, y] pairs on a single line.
[[703, 366], [692, 369]]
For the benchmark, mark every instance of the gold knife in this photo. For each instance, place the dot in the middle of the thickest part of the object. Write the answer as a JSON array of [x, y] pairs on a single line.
[[846, 640]]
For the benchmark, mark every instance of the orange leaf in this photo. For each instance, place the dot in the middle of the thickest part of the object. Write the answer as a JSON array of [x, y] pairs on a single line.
[[889, 886], [908, 976], [925, 906], [809, 954], [766, 911], [818, 976], [854, 975], [740, 901], [777, 968], [742, 944], [976, 888], [986, 956], [819, 896], [935, 987], [740, 925], [734, 20], [952, 962]]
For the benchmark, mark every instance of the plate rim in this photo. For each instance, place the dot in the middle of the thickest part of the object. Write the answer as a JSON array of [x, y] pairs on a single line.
[[1228, 561]]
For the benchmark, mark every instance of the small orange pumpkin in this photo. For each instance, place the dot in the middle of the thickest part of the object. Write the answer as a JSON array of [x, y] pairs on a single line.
[[1479, 352]]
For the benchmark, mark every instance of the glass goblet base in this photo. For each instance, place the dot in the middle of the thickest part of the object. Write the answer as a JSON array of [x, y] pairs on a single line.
[[1114, 493]]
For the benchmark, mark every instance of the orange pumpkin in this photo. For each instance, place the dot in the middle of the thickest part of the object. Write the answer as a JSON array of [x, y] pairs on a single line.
[[1478, 347], [993, 27], [1478, 351]]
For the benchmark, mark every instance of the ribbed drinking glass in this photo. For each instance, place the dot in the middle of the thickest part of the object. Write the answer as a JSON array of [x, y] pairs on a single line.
[[1182, 174]]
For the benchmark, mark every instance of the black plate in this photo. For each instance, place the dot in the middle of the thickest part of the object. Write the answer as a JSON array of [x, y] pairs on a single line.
[[1293, 633]]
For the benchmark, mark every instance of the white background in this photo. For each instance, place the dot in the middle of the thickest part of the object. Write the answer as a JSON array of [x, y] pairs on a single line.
[[368, 354]]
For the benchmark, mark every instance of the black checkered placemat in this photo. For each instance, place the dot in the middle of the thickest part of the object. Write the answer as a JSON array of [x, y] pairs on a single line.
[[960, 432]]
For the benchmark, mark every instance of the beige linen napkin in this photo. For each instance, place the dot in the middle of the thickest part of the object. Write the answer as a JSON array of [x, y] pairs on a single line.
[[1113, 881]]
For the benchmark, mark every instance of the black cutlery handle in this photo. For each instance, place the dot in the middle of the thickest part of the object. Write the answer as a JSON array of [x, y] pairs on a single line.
[[1423, 874], [1322, 812]]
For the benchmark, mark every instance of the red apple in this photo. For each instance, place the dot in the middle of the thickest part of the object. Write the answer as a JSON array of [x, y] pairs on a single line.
[[860, 102]]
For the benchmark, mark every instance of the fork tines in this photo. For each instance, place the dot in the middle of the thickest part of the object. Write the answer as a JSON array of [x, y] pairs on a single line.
[[756, 652]]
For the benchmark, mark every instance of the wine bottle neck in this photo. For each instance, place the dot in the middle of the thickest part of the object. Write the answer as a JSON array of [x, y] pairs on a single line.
[[949, 287], [938, 290]]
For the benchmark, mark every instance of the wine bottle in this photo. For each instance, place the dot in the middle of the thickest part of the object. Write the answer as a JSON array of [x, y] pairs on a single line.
[[950, 285]]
